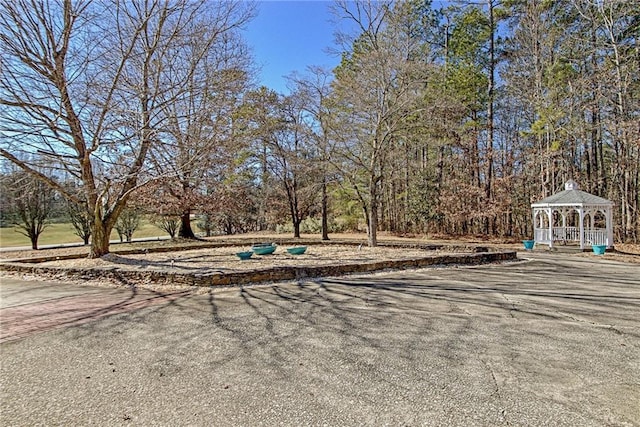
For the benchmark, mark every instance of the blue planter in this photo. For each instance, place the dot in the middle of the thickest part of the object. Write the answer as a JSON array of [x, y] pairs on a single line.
[[528, 244], [599, 249], [264, 249], [298, 250], [244, 255]]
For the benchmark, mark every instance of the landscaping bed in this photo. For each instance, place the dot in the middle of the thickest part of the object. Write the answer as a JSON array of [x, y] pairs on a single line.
[[216, 264]]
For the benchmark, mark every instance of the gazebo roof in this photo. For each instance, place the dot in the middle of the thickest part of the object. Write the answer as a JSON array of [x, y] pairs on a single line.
[[572, 196]]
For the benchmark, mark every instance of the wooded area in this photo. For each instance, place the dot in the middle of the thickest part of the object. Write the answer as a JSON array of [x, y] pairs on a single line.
[[447, 120]]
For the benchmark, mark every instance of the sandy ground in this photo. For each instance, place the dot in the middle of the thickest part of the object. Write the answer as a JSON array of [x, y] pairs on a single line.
[[245, 241], [224, 259]]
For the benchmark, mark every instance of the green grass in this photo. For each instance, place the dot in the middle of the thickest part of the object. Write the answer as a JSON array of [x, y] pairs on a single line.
[[64, 233]]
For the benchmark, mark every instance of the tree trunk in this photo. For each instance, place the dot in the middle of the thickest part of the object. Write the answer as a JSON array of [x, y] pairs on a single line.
[[372, 230], [296, 228], [325, 210], [372, 223], [186, 232], [490, 102], [295, 220], [292, 197], [100, 242]]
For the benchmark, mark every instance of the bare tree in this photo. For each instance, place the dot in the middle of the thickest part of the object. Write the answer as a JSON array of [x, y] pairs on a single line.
[[377, 88], [199, 138], [84, 83], [127, 224], [621, 28], [293, 160], [313, 91], [168, 223], [80, 220], [259, 118], [32, 202]]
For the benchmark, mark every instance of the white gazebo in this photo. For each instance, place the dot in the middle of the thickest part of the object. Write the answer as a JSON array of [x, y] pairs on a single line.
[[573, 215]]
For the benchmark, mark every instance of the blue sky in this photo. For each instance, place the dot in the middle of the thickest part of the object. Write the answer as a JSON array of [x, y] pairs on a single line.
[[288, 36]]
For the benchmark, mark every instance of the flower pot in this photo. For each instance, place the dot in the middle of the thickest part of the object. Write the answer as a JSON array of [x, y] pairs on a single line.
[[599, 249], [264, 248], [298, 250], [244, 255], [529, 244]]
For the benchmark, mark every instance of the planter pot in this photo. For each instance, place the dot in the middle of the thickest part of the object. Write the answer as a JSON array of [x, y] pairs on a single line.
[[264, 248], [599, 249], [529, 244], [263, 245], [244, 255], [298, 250]]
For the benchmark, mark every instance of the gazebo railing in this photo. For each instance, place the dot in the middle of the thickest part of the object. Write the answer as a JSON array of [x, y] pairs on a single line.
[[596, 236], [541, 235], [559, 234], [568, 234], [592, 236]]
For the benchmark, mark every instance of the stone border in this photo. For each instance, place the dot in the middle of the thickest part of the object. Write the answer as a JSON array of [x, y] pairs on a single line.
[[259, 275]]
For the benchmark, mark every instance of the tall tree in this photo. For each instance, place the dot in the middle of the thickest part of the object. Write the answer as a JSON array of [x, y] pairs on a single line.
[[621, 33], [199, 138], [293, 160], [84, 84], [472, 63], [258, 119], [376, 89], [313, 91]]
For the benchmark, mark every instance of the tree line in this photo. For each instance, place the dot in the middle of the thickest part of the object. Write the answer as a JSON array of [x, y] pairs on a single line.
[[450, 119]]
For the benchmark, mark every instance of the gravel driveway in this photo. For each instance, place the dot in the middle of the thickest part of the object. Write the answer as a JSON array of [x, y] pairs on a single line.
[[550, 340]]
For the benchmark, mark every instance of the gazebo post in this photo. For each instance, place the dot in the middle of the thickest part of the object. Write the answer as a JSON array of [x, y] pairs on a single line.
[[581, 215], [550, 215], [609, 222]]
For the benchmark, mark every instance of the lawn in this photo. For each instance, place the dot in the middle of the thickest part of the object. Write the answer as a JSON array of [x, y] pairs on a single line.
[[64, 233]]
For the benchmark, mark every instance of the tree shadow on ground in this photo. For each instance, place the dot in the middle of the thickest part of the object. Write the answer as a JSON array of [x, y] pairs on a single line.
[[266, 321]]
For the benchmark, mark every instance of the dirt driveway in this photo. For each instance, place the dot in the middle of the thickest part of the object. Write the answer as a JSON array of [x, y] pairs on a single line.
[[551, 340]]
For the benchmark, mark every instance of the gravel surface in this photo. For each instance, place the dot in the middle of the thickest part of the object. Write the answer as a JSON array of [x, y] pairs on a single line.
[[225, 260]]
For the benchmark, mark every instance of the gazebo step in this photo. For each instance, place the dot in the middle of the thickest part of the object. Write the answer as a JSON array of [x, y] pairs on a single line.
[[564, 248]]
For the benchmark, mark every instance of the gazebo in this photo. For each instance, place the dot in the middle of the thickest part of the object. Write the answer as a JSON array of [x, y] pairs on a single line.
[[573, 215]]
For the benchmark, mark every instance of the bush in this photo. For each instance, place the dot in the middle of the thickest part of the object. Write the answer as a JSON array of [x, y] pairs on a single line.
[[168, 223], [311, 225], [347, 223], [206, 224], [127, 223]]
